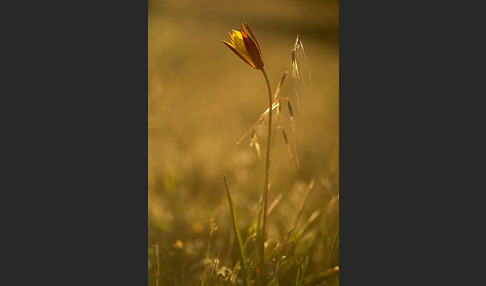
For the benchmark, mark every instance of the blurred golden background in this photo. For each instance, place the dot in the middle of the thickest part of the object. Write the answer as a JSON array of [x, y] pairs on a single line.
[[202, 98]]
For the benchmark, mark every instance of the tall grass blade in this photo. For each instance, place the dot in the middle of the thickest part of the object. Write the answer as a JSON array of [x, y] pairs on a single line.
[[212, 228], [301, 265], [309, 221], [157, 261], [332, 249], [274, 203], [302, 203], [237, 233]]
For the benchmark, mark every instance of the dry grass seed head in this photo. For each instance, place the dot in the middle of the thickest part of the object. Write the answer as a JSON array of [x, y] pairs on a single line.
[[299, 56]]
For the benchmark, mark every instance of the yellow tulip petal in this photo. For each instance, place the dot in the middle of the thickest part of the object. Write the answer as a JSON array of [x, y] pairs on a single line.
[[238, 53], [240, 47], [237, 34], [238, 40]]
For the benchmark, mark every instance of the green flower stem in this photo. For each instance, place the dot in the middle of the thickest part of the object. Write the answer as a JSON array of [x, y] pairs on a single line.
[[265, 187]]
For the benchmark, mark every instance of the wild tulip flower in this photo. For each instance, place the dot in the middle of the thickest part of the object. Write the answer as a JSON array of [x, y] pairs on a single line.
[[244, 44]]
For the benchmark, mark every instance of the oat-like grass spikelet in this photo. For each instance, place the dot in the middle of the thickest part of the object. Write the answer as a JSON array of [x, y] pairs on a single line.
[[254, 143], [298, 58], [215, 265], [292, 123], [295, 161], [291, 114], [276, 105]]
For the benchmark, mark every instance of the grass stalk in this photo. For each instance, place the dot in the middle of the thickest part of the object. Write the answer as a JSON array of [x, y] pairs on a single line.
[[157, 265], [332, 249], [330, 255], [237, 234], [212, 228], [265, 187]]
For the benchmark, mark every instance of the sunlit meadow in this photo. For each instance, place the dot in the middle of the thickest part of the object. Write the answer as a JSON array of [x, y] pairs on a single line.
[[202, 99]]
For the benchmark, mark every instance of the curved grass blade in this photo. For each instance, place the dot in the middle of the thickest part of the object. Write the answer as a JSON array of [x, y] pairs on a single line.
[[323, 276], [277, 91], [275, 104]]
